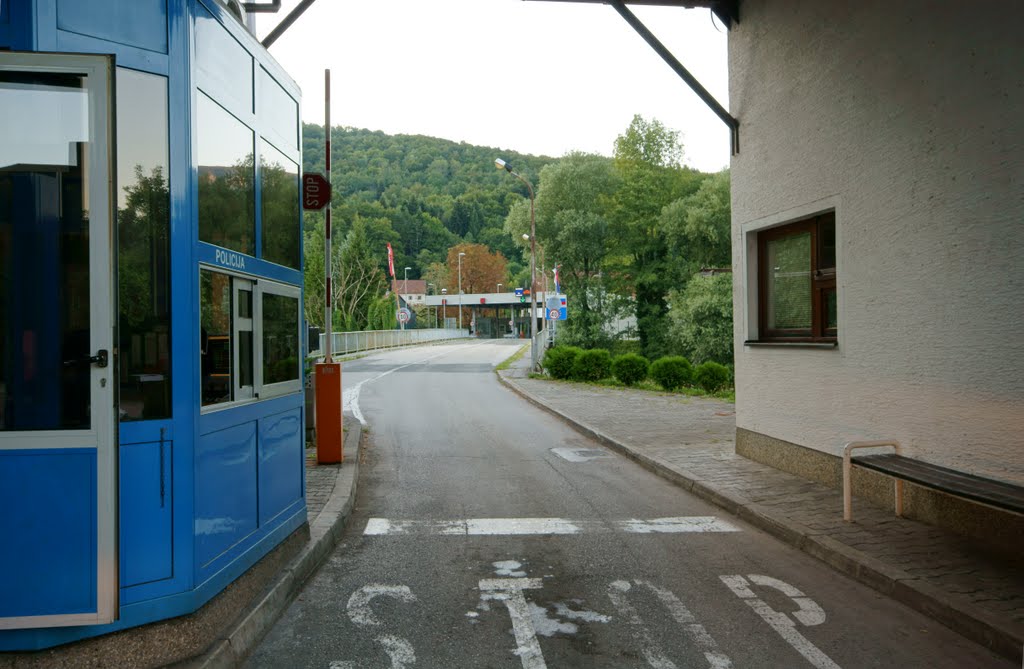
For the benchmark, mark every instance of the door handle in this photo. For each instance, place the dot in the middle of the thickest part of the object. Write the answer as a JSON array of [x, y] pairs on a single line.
[[100, 359]]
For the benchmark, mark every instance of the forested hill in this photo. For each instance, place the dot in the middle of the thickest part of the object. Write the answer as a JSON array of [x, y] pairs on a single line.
[[422, 194]]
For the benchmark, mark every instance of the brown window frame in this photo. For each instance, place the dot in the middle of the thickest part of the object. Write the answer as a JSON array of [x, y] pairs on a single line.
[[823, 282]]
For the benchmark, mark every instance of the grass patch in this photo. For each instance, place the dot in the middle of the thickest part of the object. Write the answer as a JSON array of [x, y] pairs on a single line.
[[512, 358]]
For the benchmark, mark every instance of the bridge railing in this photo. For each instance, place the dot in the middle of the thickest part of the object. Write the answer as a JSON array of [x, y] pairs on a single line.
[[352, 342]]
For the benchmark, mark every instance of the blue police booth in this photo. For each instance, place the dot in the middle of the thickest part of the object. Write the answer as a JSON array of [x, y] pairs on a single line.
[[151, 427]]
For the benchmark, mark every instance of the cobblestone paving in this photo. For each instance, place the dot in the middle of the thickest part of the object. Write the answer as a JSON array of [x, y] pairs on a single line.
[[320, 481], [696, 435]]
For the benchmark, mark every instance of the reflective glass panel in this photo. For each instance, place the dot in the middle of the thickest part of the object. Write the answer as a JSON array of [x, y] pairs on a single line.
[[789, 283], [278, 112], [280, 338], [223, 65], [215, 336], [831, 310], [279, 181], [226, 177], [44, 252], [143, 246]]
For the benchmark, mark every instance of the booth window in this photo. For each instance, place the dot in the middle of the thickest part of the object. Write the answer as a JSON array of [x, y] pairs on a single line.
[[226, 178], [279, 186], [280, 337], [143, 250], [248, 338], [278, 112], [797, 281]]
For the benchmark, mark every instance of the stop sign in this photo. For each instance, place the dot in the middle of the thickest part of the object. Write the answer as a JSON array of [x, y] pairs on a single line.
[[316, 192]]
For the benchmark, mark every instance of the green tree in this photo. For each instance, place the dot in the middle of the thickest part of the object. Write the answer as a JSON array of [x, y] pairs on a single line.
[[647, 158], [701, 319]]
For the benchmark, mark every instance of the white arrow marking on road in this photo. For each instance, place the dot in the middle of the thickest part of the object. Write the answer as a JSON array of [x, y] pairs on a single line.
[[546, 526], [809, 614], [359, 603], [510, 591]]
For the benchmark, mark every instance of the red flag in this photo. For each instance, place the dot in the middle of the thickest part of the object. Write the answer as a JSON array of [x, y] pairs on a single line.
[[391, 261]]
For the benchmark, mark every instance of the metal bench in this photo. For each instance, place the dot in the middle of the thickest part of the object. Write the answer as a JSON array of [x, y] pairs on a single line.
[[997, 494]]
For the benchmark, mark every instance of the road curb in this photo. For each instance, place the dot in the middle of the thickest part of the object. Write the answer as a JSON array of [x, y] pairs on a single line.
[[324, 532], [963, 617]]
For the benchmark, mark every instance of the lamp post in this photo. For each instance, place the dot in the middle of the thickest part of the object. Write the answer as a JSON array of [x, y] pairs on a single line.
[[460, 289], [502, 165], [429, 286], [444, 306], [405, 289]]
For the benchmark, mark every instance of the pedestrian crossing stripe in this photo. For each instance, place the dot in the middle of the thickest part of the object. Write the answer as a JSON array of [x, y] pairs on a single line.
[[546, 526]]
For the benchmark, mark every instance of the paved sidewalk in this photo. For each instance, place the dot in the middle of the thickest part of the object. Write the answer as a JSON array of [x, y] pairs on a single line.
[[690, 442]]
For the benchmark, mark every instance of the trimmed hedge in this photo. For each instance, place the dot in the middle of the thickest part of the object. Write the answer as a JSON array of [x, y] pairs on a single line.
[[711, 376], [672, 372], [559, 360], [592, 365], [630, 368]]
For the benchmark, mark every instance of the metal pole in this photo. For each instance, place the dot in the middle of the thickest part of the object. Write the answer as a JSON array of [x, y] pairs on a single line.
[[533, 283], [327, 214], [460, 289], [405, 288]]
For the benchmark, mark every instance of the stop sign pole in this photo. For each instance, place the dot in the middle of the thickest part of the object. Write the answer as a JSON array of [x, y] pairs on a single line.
[[328, 397]]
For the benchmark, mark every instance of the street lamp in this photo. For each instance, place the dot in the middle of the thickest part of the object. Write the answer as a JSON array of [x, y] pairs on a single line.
[[502, 165], [405, 289], [460, 289], [429, 286]]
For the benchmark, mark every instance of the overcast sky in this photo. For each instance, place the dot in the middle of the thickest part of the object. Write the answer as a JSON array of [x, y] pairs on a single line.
[[535, 77]]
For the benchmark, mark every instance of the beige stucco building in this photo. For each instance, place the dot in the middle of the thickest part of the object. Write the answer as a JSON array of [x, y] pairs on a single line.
[[878, 231]]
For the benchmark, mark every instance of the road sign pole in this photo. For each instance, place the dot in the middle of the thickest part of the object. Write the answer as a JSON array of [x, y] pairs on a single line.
[[328, 396]]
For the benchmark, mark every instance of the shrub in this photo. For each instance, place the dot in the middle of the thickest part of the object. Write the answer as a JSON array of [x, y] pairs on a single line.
[[672, 372], [630, 368], [711, 376], [559, 360], [592, 365]]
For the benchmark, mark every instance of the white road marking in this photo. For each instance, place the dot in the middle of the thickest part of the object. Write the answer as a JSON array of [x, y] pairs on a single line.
[[586, 616], [705, 642], [580, 454], [350, 397], [510, 591], [546, 526], [809, 614], [359, 603], [508, 568], [652, 653], [648, 647], [398, 649], [341, 664], [496, 526]]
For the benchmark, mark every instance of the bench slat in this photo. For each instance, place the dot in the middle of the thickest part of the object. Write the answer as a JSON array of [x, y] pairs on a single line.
[[987, 491]]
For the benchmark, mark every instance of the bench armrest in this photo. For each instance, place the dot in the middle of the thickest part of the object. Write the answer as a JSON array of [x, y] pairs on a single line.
[[848, 466]]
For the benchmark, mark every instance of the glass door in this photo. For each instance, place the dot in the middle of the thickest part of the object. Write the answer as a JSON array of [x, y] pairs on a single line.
[[58, 447]]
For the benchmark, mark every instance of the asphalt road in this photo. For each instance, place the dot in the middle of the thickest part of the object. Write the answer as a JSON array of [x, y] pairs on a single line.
[[489, 534]]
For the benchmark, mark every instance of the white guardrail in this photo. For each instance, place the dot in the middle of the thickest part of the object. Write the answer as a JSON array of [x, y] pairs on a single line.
[[353, 342]]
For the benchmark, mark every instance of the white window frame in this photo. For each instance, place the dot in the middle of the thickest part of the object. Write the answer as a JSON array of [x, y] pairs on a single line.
[[284, 290], [243, 395]]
